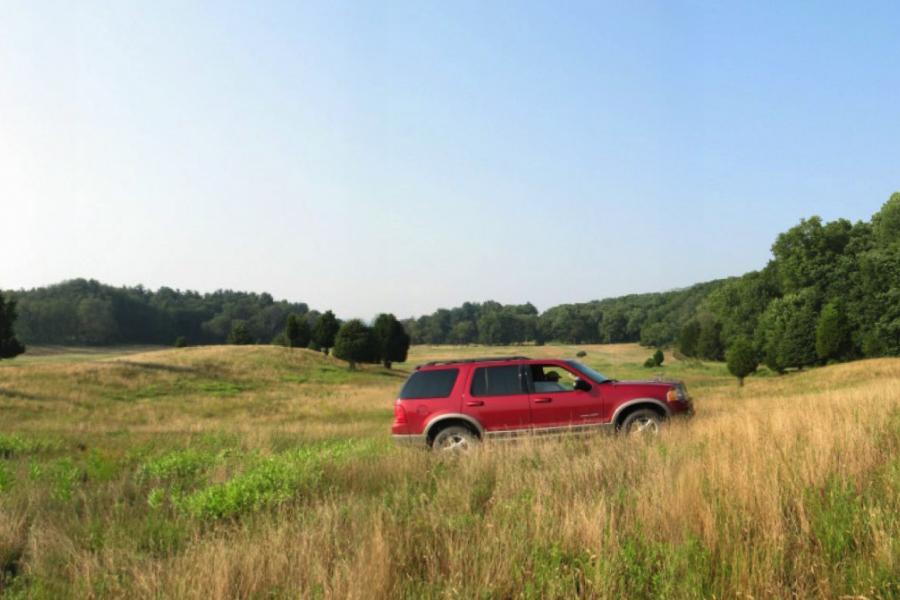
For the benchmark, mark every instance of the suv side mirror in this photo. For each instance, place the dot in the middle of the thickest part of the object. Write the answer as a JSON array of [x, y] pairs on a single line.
[[582, 385]]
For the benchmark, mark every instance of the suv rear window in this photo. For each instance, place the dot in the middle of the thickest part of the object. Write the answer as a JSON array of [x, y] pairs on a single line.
[[437, 383], [497, 381]]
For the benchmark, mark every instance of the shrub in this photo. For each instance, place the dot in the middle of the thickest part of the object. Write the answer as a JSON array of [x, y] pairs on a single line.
[[240, 335], [355, 343], [655, 360], [741, 359], [297, 331], [391, 339], [581, 354], [323, 334], [181, 342]]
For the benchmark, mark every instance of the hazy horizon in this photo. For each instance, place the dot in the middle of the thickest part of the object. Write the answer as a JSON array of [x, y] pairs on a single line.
[[370, 158]]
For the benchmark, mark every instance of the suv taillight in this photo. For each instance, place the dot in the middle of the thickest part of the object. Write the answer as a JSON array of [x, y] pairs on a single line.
[[399, 414]]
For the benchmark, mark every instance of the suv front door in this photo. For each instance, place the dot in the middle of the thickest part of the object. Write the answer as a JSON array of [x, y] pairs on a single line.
[[556, 402], [497, 397]]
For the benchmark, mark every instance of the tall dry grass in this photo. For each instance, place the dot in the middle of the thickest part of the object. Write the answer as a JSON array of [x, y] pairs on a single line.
[[789, 487]]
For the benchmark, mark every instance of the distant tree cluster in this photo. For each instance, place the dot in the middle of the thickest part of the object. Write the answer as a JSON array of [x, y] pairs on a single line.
[[651, 319], [86, 312], [830, 293], [385, 342]]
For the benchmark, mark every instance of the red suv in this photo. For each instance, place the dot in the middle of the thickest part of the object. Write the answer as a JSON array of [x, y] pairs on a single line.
[[455, 403]]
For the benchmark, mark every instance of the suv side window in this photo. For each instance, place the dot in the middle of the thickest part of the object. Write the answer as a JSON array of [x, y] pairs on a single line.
[[549, 379], [437, 383], [497, 381]]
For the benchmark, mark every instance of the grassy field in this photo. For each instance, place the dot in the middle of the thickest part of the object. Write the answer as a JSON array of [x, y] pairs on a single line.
[[261, 472]]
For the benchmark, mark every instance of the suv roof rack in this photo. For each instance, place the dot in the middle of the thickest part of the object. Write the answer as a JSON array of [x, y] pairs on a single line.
[[471, 360]]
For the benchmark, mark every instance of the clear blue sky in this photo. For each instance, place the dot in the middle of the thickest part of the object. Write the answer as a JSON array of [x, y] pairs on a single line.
[[404, 156]]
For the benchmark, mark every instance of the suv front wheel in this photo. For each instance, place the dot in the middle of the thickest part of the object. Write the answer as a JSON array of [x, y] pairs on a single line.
[[454, 439], [644, 422]]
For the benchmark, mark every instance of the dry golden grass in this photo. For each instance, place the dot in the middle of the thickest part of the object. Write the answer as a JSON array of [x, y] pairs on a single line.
[[788, 487]]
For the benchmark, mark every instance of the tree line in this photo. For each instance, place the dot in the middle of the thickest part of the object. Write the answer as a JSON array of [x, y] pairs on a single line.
[[830, 292], [653, 319]]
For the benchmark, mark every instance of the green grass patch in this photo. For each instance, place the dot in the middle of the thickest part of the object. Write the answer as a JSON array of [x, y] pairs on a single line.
[[271, 481]]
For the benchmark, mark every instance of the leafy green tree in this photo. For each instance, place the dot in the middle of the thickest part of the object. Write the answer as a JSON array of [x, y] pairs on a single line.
[[463, 332], [738, 303], [10, 347], [688, 338], [297, 332], [709, 340], [806, 255], [181, 342], [886, 222], [741, 358], [355, 342], [240, 335], [832, 335], [391, 339], [325, 330], [787, 332]]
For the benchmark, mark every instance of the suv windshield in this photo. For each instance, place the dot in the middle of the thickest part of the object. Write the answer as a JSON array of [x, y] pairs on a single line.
[[596, 376]]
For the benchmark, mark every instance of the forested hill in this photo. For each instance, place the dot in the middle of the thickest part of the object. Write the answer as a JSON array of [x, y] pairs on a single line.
[[653, 319], [88, 312], [830, 292]]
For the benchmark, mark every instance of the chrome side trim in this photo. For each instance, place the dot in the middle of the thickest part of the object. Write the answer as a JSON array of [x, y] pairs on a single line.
[[409, 439], [454, 416], [630, 403], [561, 429]]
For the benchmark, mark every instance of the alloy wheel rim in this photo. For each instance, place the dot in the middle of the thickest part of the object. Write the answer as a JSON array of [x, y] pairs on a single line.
[[645, 426], [455, 443]]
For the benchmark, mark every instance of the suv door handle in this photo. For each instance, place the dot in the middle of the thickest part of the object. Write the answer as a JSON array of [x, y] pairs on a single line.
[[542, 400], [474, 402]]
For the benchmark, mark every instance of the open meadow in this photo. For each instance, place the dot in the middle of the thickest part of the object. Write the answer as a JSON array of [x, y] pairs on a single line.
[[263, 472]]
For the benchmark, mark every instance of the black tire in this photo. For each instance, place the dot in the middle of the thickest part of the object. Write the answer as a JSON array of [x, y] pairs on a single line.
[[454, 438], [643, 422]]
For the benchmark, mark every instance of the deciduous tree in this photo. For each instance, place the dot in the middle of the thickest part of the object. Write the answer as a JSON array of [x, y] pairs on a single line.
[[10, 347], [355, 342]]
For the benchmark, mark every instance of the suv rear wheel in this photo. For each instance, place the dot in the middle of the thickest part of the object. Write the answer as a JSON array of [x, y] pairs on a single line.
[[644, 422], [455, 438]]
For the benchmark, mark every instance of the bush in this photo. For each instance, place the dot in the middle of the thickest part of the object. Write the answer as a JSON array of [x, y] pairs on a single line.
[[391, 340], [741, 358], [297, 332], [240, 335], [581, 354], [181, 342], [355, 342], [655, 360]]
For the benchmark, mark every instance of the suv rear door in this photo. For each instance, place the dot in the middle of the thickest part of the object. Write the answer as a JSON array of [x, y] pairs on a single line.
[[558, 403], [497, 397]]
